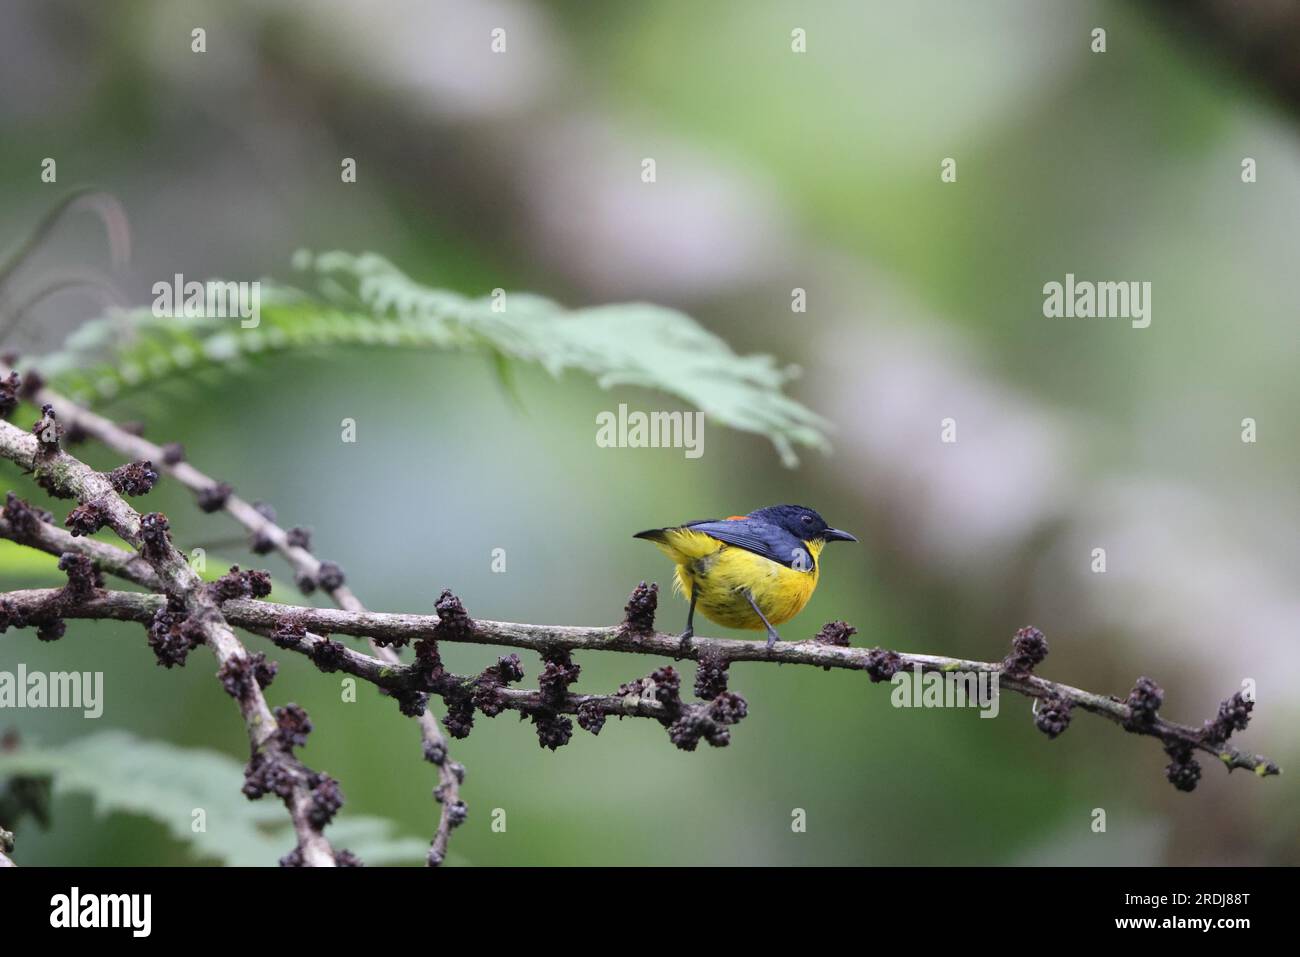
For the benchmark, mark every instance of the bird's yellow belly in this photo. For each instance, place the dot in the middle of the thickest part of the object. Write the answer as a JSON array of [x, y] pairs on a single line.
[[720, 581]]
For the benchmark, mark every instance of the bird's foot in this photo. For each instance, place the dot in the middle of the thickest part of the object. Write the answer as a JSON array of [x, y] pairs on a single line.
[[684, 642], [772, 638]]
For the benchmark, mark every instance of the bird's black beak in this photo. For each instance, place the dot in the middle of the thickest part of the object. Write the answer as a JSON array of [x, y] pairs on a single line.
[[836, 535]]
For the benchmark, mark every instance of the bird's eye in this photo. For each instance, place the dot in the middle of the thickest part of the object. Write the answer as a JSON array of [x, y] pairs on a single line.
[[807, 519]]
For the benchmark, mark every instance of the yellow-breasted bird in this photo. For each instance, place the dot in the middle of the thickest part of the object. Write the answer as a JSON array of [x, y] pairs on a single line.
[[751, 571]]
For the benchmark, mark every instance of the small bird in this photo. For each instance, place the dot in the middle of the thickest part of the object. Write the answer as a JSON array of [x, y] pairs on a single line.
[[751, 571]]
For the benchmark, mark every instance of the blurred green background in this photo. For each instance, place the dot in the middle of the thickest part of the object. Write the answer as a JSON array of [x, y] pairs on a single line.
[[775, 170]]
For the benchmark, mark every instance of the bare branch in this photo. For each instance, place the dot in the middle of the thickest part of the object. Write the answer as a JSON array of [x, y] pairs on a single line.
[[310, 573], [50, 538], [550, 640], [141, 608], [64, 475]]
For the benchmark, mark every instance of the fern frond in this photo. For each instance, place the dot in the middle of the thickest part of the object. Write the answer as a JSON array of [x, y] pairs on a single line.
[[364, 300]]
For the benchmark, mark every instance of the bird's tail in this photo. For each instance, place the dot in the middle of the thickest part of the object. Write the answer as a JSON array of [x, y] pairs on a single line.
[[682, 544]]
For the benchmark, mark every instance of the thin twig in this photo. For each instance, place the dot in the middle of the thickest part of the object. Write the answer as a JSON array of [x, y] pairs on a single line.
[[379, 672], [110, 212], [66, 475], [307, 567], [56, 541], [141, 608]]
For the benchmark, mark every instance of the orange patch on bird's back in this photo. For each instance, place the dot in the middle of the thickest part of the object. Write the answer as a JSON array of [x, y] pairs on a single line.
[[736, 518]]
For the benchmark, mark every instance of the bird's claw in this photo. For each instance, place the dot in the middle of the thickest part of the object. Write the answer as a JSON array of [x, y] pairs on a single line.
[[772, 638], [684, 642]]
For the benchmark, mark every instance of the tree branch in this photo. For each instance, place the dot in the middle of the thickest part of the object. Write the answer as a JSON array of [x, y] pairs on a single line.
[[141, 608], [1136, 715], [310, 572], [638, 701], [100, 504], [27, 528]]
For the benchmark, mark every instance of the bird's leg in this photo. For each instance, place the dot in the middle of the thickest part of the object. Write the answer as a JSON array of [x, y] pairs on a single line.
[[772, 636], [689, 633]]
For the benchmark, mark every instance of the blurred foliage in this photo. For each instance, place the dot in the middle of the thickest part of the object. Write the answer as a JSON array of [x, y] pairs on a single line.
[[193, 793], [371, 303]]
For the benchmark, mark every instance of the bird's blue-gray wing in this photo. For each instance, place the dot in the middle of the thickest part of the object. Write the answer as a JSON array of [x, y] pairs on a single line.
[[773, 543]]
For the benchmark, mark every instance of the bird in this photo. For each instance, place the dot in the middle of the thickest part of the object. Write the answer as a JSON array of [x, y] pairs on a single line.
[[752, 571]]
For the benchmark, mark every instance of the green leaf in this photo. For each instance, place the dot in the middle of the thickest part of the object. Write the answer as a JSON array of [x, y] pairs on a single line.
[[366, 300], [126, 774]]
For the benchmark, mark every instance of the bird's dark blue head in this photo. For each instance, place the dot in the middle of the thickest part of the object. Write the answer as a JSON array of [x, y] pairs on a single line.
[[804, 523]]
